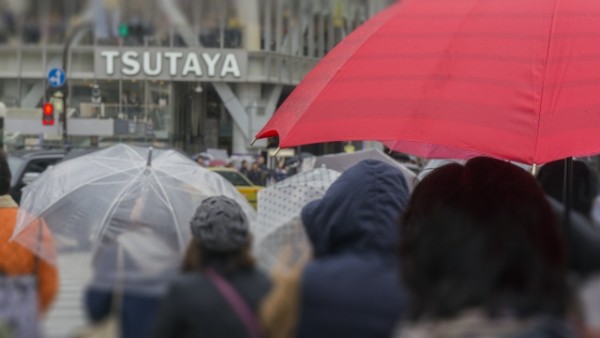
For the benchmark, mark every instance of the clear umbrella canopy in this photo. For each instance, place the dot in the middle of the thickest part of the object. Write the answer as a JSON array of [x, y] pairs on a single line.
[[140, 199], [279, 206], [341, 162]]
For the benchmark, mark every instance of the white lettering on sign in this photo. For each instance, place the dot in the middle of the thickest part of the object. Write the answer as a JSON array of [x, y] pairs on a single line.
[[173, 57], [230, 65], [192, 65], [170, 63], [130, 63], [110, 60], [211, 63], [158, 68]]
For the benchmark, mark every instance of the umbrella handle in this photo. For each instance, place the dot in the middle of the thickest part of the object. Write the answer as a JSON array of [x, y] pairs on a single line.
[[149, 162], [568, 191]]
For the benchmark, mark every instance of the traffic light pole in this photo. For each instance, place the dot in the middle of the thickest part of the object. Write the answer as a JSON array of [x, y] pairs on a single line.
[[67, 48]]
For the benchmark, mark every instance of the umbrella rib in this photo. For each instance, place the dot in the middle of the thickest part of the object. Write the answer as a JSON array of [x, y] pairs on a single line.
[[548, 50], [110, 208], [172, 175], [221, 183], [170, 206], [212, 188], [102, 162], [83, 185]]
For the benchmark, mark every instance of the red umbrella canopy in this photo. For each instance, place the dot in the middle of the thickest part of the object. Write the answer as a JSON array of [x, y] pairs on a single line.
[[514, 79]]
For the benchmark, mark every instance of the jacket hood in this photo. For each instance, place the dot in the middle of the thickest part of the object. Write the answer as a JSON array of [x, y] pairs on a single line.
[[359, 212]]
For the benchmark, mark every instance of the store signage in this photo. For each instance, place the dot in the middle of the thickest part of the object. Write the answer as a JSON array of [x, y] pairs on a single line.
[[172, 64]]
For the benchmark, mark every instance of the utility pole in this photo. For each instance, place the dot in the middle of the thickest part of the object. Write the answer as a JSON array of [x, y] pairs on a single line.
[[65, 64]]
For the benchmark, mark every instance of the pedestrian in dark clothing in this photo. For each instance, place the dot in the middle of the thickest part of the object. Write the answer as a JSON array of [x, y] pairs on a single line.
[[245, 168], [141, 310], [583, 238], [134, 268], [258, 175], [352, 286], [482, 256], [195, 305], [584, 184]]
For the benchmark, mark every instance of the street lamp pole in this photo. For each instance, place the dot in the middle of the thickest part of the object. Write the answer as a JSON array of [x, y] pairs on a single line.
[[67, 48]]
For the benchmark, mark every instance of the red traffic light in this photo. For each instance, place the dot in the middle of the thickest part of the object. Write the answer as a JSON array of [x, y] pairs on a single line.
[[48, 109], [48, 114]]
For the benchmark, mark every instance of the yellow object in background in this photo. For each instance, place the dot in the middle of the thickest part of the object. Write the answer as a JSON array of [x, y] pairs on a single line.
[[338, 14], [240, 182]]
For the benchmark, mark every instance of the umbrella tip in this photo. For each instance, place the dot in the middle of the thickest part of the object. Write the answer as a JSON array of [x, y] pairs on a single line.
[[534, 169], [253, 141], [149, 162]]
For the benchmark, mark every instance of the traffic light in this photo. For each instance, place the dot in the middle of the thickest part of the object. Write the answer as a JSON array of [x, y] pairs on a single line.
[[48, 114], [123, 30], [132, 29]]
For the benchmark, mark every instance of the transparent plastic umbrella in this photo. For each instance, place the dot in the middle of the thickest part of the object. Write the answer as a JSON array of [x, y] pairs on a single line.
[[279, 206], [342, 161], [135, 198]]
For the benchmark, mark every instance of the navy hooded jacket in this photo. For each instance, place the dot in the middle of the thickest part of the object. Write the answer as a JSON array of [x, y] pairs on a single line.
[[352, 288]]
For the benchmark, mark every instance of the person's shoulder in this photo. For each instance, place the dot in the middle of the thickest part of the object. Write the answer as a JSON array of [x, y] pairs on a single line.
[[183, 283], [195, 279], [8, 216], [260, 276], [248, 273], [190, 278], [9, 212], [253, 276], [550, 328]]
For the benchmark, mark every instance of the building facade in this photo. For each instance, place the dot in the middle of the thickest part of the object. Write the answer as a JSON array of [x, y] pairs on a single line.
[[192, 74]]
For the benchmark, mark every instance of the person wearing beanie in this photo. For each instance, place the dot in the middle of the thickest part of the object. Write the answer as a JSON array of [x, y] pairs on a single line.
[[195, 305]]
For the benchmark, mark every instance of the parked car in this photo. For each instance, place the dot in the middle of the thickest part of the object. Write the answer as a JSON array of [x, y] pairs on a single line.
[[241, 182], [27, 165]]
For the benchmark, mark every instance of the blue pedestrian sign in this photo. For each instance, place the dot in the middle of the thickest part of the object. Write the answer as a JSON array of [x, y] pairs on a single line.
[[56, 77]]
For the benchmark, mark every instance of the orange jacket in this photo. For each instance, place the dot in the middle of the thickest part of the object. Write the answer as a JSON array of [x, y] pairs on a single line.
[[17, 260]]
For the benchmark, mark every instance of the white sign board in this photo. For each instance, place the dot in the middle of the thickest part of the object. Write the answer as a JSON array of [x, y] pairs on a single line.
[[172, 64]]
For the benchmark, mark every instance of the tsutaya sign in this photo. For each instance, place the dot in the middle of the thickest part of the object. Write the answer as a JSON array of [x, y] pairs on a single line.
[[172, 64]]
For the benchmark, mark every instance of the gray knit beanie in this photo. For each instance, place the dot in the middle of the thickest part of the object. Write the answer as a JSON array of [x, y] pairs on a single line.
[[220, 224]]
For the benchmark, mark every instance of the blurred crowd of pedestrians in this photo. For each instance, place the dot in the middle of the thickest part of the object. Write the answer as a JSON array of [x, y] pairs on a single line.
[[255, 170], [259, 174], [480, 249]]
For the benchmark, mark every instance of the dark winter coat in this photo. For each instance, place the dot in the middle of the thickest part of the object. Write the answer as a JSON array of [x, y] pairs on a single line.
[[583, 240], [352, 288], [194, 307], [137, 311]]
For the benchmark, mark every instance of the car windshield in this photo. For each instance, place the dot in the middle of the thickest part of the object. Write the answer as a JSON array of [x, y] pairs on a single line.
[[14, 163], [234, 178]]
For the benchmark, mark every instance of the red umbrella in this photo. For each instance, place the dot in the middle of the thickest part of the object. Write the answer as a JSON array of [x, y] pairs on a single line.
[[514, 79], [430, 151]]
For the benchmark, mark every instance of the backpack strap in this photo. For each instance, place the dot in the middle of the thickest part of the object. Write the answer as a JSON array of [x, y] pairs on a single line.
[[239, 306]]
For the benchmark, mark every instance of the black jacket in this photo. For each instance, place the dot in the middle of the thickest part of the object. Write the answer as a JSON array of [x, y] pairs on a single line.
[[583, 240], [194, 307]]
